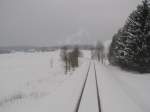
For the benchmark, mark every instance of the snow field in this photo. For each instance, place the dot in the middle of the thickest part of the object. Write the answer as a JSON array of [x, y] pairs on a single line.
[[23, 71], [64, 99], [36, 82]]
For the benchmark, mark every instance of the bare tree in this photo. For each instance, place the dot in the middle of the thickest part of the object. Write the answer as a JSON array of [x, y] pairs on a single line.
[[70, 58], [64, 57], [99, 51]]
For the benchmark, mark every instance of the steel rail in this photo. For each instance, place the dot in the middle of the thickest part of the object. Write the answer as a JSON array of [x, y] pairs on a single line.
[[81, 94], [97, 89]]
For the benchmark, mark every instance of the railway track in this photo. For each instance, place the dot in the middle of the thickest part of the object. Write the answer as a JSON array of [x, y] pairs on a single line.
[[97, 89], [91, 73], [83, 87]]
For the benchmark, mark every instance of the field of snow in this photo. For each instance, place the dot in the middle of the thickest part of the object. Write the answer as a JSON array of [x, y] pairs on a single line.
[[31, 76], [36, 82], [28, 75]]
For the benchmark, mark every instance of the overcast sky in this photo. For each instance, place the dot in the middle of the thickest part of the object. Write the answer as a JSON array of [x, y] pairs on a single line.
[[56, 22]]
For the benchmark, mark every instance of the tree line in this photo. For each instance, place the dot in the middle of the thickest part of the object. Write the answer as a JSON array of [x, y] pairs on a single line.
[[70, 58], [130, 47]]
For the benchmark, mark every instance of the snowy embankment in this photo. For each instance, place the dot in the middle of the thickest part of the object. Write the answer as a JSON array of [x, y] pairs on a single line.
[[122, 91]]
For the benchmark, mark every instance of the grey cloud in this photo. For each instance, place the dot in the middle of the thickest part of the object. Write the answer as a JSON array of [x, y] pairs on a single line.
[[51, 22]]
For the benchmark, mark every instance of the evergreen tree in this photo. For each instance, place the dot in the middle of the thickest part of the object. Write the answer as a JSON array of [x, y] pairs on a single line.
[[130, 47]]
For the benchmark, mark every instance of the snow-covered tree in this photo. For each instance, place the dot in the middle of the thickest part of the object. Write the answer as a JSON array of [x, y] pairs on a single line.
[[130, 47]]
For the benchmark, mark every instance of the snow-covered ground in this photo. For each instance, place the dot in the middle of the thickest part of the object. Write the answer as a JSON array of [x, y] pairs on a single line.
[[27, 78], [25, 74], [122, 91], [36, 82]]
